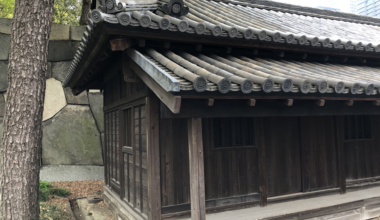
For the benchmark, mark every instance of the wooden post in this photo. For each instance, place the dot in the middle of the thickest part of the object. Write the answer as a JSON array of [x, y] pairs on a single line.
[[197, 182], [260, 142], [153, 157], [339, 120]]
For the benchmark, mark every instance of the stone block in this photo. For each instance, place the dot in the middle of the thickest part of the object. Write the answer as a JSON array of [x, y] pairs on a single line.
[[60, 32], [5, 25], [2, 106], [54, 98], [80, 99], [60, 51], [76, 33], [5, 44], [96, 104], [59, 70], [71, 137], [48, 72], [3, 75]]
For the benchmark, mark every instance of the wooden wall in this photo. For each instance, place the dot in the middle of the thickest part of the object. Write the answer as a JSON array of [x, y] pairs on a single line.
[[282, 155], [362, 147], [318, 152], [126, 146]]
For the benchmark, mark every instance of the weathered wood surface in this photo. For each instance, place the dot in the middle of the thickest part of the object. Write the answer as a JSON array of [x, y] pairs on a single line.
[[153, 160], [318, 152], [173, 102], [196, 166]]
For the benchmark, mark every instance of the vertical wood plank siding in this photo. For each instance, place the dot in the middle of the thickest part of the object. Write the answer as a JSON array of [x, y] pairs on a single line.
[[282, 155], [125, 128], [318, 152]]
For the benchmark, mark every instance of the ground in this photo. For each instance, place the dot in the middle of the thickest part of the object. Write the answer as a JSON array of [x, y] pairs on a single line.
[[77, 189]]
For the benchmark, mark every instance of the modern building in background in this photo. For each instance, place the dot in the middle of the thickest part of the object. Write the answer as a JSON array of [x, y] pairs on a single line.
[[369, 8], [354, 6], [328, 8]]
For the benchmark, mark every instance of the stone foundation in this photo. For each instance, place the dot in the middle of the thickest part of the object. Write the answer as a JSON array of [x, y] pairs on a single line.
[[72, 125]]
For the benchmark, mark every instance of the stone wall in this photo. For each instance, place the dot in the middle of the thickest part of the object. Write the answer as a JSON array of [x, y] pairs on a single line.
[[72, 125]]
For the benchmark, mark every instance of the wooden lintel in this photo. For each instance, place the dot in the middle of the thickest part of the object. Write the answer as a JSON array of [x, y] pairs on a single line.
[[251, 102], [196, 168], [304, 56], [120, 44], [209, 102], [349, 102], [287, 102], [199, 48], [326, 58], [255, 51], [229, 49], [345, 59], [141, 43], [320, 102], [281, 54], [171, 101], [167, 45], [376, 102], [364, 61]]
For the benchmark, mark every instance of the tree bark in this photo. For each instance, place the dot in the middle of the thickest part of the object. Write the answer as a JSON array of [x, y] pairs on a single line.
[[86, 5], [22, 136]]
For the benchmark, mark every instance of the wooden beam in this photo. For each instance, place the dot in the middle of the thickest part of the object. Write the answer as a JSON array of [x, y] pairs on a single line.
[[287, 102], [171, 101], [129, 75], [120, 44], [304, 56], [209, 102], [345, 59], [376, 102], [196, 165], [141, 43], [229, 50], [199, 48], [255, 51], [167, 45], [281, 54], [349, 102], [153, 156], [320, 102], [326, 58], [251, 102]]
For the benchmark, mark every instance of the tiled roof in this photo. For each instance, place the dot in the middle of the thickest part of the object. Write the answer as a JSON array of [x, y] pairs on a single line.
[[227, 20], [227, 73], [237, 21]]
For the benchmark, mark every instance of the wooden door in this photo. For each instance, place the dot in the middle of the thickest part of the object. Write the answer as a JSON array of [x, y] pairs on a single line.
[[282, 155], [318, 153]]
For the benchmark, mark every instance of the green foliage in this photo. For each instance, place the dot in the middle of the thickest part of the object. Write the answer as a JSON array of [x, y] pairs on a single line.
[[65, 11], [46, 190], [49, 212], [44, 185], [7, 8]]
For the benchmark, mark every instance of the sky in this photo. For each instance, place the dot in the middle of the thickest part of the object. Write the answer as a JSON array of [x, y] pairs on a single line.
[[343, 5]]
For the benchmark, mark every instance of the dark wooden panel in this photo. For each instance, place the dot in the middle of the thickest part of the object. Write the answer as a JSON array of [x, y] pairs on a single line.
[[318, 149], [282, 155], [361, 147]]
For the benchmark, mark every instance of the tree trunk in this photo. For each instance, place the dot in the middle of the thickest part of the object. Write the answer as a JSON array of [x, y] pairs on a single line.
[[86, 4], [22, 136]]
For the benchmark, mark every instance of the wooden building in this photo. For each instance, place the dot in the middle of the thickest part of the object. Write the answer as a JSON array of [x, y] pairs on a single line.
[[235, 110]]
